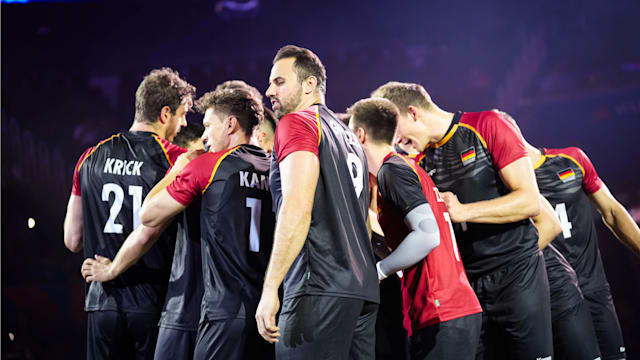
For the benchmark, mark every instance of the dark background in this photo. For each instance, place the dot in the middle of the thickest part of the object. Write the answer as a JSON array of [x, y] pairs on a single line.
[[568, 71]]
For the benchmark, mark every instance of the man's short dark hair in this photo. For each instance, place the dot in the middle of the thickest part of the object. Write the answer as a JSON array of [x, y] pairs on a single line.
[[239, 84], [237, 102], [188, 134], [404, 95], [160, 88], [377, 116], [306, 64]]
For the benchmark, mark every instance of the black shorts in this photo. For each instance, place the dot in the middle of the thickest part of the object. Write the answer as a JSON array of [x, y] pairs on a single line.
[[574, 337], [175, 344], [453, 339], [392, 341], [326, 327], [231, 339], [516, 322], [605, 321], [121, 335]]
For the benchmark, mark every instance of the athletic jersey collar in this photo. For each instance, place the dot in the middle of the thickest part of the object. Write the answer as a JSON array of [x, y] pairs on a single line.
[[450, 131], [543, 158]]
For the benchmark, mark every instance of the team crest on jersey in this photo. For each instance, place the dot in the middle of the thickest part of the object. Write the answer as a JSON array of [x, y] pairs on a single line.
[[468, 156], [566, 175]]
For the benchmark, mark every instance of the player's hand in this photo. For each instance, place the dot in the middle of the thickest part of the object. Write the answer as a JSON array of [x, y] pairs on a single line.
[[98, 269], [185, 158], [266, 315], [454, 207]]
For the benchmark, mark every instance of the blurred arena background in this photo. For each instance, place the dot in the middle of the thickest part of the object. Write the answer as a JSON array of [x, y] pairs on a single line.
[[568, 71]]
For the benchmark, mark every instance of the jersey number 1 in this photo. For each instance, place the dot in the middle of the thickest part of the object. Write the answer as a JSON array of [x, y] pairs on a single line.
[[135, 191], [448, 219], [254, 228]]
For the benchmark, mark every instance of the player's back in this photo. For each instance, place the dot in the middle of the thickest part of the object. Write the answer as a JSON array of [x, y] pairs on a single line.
[[114, 177], [435, 289], [467, 162], [237, 224], [337, 257], [565, 177]]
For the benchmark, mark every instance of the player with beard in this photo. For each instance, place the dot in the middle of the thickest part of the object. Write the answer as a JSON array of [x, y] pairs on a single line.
[[480, 159], [321, 243], [109, 182]]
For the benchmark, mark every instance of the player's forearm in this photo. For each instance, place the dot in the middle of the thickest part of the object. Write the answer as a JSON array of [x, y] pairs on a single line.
[[162, 184], [515, 206], [135, 246], [291, 233], [415, 247], [623, 227], [547, 224], [73, 224]]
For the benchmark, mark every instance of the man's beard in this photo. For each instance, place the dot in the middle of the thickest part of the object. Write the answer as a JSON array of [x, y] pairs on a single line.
[[289, 105]]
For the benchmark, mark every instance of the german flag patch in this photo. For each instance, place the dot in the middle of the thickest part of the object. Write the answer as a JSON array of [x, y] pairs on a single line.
[[566, 175], [468, 156]]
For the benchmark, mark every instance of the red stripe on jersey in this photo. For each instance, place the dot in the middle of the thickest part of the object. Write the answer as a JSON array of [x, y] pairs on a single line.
[[298, 131], [171, 150], [75, 188]]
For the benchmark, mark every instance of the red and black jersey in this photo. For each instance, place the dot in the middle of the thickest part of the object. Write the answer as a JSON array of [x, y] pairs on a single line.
[[467, 162], [435, 289], [565, 178], [113, 178], [184, 294], [337, 256], [236, 226]]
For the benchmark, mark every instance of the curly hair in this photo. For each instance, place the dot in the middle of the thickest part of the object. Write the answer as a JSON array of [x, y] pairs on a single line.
[[160, 88]]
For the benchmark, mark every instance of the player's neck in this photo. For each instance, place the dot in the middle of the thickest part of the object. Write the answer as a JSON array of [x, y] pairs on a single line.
[[439, 121], [140, 126], [375, 156], [238, 138], [310, 100]]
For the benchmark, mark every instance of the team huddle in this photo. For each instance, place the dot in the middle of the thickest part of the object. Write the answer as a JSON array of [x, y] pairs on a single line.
[[252, 236]]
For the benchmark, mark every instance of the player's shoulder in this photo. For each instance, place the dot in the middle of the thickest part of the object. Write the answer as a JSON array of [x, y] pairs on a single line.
[[397, 164], [573, 151], [309, 114], [92, 149], [482, 118]]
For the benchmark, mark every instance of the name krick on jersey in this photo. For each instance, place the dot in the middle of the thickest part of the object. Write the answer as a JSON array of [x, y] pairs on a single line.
[[122, 167]]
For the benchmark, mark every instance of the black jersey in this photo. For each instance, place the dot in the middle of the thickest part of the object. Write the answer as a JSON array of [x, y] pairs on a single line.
[[113, 178], [184, 294], [337, 257], [236, 225], [563, 282], [467, 162], [565, 177]]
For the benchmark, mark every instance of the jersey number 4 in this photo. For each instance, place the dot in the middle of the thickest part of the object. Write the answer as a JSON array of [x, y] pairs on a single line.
[[561, 211], [135, 192]]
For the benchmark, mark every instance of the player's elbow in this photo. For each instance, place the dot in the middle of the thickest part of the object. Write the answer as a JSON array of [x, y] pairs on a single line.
[[431, 241], [146, 216], [531, 206], [73, 242]]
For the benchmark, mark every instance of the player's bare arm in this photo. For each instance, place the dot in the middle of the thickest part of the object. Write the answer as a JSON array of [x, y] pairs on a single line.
[[291, 231], [180, 163], [137, 244], [617, 219], [73, 224], [522, 202], [547, 224]]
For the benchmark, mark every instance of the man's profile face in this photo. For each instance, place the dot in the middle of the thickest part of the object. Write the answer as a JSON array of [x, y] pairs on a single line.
[[410, 132], [177, 121], [214, 136], [285, 90]]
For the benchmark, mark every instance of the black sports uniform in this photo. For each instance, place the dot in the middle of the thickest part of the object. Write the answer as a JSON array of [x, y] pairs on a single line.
[[113, 178], [236, 224], [566, 177], [503, 263], [331, 291]]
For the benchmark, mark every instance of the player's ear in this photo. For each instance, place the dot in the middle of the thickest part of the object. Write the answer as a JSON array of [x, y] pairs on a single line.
[[232, 124], [361, 134], [309, 84], [165, 115], [413, 112]]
